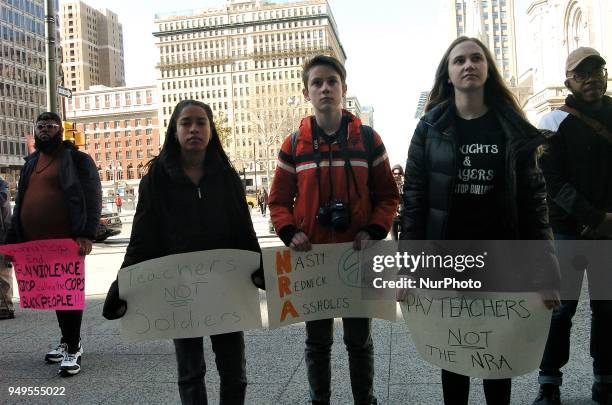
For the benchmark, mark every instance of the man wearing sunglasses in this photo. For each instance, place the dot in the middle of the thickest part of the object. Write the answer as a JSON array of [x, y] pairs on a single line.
[[59, 196], [577, 164]]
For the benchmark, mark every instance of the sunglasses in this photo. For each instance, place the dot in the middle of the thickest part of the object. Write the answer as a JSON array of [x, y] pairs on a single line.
[[397, 174], [46, 126]]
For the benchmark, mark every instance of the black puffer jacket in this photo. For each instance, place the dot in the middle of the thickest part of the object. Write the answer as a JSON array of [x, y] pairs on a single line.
[[175, 216], [432, 167]]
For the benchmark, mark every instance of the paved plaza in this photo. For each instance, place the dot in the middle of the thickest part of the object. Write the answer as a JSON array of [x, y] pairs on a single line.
[[145, 373]]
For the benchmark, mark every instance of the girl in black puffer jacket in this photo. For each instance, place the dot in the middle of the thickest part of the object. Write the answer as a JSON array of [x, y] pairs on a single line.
[[474, 174]]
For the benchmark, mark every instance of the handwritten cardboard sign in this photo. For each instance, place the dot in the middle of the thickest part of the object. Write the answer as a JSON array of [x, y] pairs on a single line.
[[190, 295], [323, 283], [484, 335], [50, 274]]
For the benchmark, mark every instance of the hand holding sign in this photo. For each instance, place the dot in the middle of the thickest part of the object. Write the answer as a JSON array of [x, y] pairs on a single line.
[[50, 273]]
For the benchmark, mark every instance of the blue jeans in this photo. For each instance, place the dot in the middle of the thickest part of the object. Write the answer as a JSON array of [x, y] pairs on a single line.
[[231, 364], [358, 341], [557, 351]]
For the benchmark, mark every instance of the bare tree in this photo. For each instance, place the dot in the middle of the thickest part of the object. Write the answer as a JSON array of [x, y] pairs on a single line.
[[223, 128], [272, 119]]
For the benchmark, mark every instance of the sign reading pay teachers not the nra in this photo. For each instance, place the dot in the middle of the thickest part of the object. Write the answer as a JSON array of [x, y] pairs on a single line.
[[322, 283]]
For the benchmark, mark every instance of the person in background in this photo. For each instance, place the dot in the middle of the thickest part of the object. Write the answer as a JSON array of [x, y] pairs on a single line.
[[577, 165], [7, 309], [473, 124], [59, 196], [264, 201], [191, 200], [118, 203], [398, 176]]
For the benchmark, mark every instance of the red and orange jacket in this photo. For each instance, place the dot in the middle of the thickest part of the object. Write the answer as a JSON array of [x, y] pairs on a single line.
[[295, 196]]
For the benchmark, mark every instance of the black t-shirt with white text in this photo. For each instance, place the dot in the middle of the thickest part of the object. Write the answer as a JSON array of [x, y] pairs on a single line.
[[476, 211]]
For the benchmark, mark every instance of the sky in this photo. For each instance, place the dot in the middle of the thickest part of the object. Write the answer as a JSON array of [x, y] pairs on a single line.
[[393, 48]]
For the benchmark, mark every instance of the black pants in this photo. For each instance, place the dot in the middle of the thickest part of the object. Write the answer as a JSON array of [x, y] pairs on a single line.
[[456, 388], [231, 364], [70, 325]]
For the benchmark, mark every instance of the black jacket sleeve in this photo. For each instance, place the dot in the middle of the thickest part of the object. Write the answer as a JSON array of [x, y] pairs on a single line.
[[560, 190], [92, 190], [534, 225], [144, 239], [414, 216]]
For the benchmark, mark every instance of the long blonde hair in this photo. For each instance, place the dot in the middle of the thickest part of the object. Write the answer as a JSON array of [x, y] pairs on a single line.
[[496, 93]]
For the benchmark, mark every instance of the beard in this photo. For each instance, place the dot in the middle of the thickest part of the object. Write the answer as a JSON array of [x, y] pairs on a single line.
[[47, 146]]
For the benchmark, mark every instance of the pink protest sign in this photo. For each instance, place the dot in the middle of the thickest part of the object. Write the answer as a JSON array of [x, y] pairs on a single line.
[[50, 273]]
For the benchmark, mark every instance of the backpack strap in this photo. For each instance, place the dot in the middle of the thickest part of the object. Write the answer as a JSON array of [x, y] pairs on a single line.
[[595, 125], [367, 133]]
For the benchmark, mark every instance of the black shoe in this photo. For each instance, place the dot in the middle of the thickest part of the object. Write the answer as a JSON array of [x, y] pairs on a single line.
[[602, 393], [7, 315], [549, 395]]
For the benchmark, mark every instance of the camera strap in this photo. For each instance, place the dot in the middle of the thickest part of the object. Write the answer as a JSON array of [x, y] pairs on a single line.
[[348, 168]]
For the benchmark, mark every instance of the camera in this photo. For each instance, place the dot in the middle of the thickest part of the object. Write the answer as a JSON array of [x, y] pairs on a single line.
[[335, 214]]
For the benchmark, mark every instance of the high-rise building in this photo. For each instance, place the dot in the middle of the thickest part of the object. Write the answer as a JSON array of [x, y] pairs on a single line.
[[493, 23], [92, 43], [245, 60], [22, 79], [421, 103], [121, 131]]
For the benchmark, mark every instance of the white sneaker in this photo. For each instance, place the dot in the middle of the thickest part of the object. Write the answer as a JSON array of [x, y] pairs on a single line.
[[56, 355], [72, 362]]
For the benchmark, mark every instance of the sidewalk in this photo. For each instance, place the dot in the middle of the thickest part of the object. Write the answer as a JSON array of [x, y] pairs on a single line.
[[145, 373]]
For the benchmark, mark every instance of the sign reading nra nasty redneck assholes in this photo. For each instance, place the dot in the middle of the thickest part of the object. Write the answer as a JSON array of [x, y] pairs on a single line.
[[325, 282]]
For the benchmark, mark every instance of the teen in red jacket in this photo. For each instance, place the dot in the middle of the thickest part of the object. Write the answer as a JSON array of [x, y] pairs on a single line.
[[333, 185]]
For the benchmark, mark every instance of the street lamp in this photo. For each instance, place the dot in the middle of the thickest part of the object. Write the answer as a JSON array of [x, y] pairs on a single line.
[[255, 166], [113, 165]]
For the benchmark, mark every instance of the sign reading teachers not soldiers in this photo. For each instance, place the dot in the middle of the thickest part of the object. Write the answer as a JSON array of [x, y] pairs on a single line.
[[189, 295], [322, 283], [483, 335], [50, 274]]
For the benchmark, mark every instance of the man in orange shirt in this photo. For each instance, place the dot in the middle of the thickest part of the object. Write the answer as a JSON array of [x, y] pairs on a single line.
[[59, 179]]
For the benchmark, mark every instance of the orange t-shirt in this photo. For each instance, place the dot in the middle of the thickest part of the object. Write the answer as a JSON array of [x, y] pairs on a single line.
[[44, 211]]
